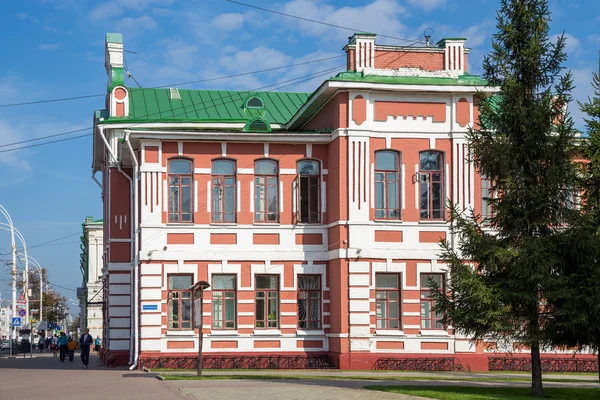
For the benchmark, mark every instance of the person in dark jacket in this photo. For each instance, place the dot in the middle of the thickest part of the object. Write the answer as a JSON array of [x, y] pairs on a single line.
[[85, 341], [63, 341]]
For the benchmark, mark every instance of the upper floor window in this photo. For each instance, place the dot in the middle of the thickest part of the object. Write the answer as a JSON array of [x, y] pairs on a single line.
[[267, 301], [266, 193], [223, 191], [308, 182], [486, 194], [431, 184], [180, 302], [387, 185], [429, 318], [224, 302], [309, 301], [387, 297], [180, 190]]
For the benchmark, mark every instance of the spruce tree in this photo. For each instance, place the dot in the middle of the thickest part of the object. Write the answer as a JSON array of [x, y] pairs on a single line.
[[576, 297], [500, 270]]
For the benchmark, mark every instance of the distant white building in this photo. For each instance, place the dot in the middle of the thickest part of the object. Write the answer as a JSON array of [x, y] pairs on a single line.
[[5, 320], [90, 294]]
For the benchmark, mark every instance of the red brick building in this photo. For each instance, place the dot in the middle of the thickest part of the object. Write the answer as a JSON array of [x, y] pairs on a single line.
[[315, 217]]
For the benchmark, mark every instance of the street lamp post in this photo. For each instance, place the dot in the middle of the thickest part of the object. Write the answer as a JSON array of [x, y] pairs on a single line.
[[37, 266], [14, 272], [198, 290]]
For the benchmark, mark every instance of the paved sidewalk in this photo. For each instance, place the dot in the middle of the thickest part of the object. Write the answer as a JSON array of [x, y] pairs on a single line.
[[388, 374], [44, 377]]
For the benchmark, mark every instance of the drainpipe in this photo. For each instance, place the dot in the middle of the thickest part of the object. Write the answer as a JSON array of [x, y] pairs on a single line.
[[136, 264], [131, 211]]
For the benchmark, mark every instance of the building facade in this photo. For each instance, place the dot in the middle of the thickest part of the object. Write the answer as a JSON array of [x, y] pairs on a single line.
[[315, 217], [91, 293]]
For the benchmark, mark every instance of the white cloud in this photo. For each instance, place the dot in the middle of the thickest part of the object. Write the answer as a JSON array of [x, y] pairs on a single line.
[[12, 159], [573, 44], [380, 16], [257, 58], [229, 21], [116, 8], [582, 78], [49, 46], [132, 26], [427, 5]]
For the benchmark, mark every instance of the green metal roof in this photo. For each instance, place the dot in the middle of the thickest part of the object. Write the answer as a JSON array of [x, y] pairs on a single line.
[[463, 80], [156, 105]]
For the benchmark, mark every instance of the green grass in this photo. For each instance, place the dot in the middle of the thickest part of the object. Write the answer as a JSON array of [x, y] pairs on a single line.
[[180, 377], [488, 393]]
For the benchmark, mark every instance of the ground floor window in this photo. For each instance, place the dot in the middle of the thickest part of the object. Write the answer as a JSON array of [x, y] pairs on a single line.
[[267, 301], [387, 298], [179, 302], [309, 301], [429, 318], [224, 302]]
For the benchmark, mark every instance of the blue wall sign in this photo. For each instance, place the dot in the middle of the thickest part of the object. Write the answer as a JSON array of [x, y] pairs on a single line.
[[150, 307]]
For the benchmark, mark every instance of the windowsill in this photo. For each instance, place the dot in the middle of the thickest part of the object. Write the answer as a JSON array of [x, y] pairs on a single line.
[[266, 223], [180, 224], [310, 332], [433, 332], [388, 221], [432, 221], [308, 224], [180, 333], [223, 224], [267, 332], [223, 333], [388, 332]]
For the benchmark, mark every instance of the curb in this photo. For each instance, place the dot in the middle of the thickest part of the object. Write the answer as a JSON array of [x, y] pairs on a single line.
[[159, 377]]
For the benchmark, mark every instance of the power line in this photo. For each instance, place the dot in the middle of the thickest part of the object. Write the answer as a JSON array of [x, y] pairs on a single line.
[[315, 21], [171, 85], [50, 142], [44, 137], [53, 240], [293, 80]]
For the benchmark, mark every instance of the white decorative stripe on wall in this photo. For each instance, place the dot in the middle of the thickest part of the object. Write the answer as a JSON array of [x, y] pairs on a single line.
[[238, 197], [402, 186], [251, 196], [196, 196]]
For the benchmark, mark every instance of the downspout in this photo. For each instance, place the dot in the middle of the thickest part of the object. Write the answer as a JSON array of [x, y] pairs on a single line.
[[131, 210], [136, 264]]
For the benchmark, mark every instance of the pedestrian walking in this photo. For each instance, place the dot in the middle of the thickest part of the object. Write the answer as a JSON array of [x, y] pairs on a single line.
[[97, 343], [41, 343], [54, 344], [72, 346], [63, 343], [85, 341]]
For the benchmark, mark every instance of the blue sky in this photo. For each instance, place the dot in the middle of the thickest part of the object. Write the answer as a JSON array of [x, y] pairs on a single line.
[[55, 48]]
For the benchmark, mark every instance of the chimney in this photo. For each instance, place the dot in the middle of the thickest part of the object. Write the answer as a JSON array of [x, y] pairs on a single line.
[[114, 60], [454, 54], [360, 51]]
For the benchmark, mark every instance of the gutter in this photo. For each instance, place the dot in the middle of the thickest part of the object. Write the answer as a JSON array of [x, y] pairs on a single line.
[[135, 259]]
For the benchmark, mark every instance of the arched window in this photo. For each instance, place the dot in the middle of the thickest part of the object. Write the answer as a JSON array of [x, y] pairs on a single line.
[[387, 184], [431, 184], [255, 102], [257, 125], [308, 184], [266, 196], [223, 191], [180, 190]]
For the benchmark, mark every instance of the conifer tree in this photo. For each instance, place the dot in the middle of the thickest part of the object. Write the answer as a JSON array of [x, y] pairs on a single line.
[[501, 270], [576, 298]]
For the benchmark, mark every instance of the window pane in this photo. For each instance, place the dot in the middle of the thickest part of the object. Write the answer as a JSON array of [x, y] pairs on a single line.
[[180, 167], [379, 194], [307, 167], [260, 312], [174, 199], [425, 310], [392, 196], [223, 167], [217, 313], [437, 278], [380, 309], [186, 204], [173, 309], [394, 310], [186, 309], [386, 281], [424, 189], [223, 282], [302, 309], [265, 167], [315, 310], [309, 282], [266, 281], [230, 309], [386, 160], [229, 200], [430, 161], [180, 281], [394, 324]]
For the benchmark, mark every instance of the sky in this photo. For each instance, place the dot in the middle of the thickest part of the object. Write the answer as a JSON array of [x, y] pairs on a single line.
[[55, 49]]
